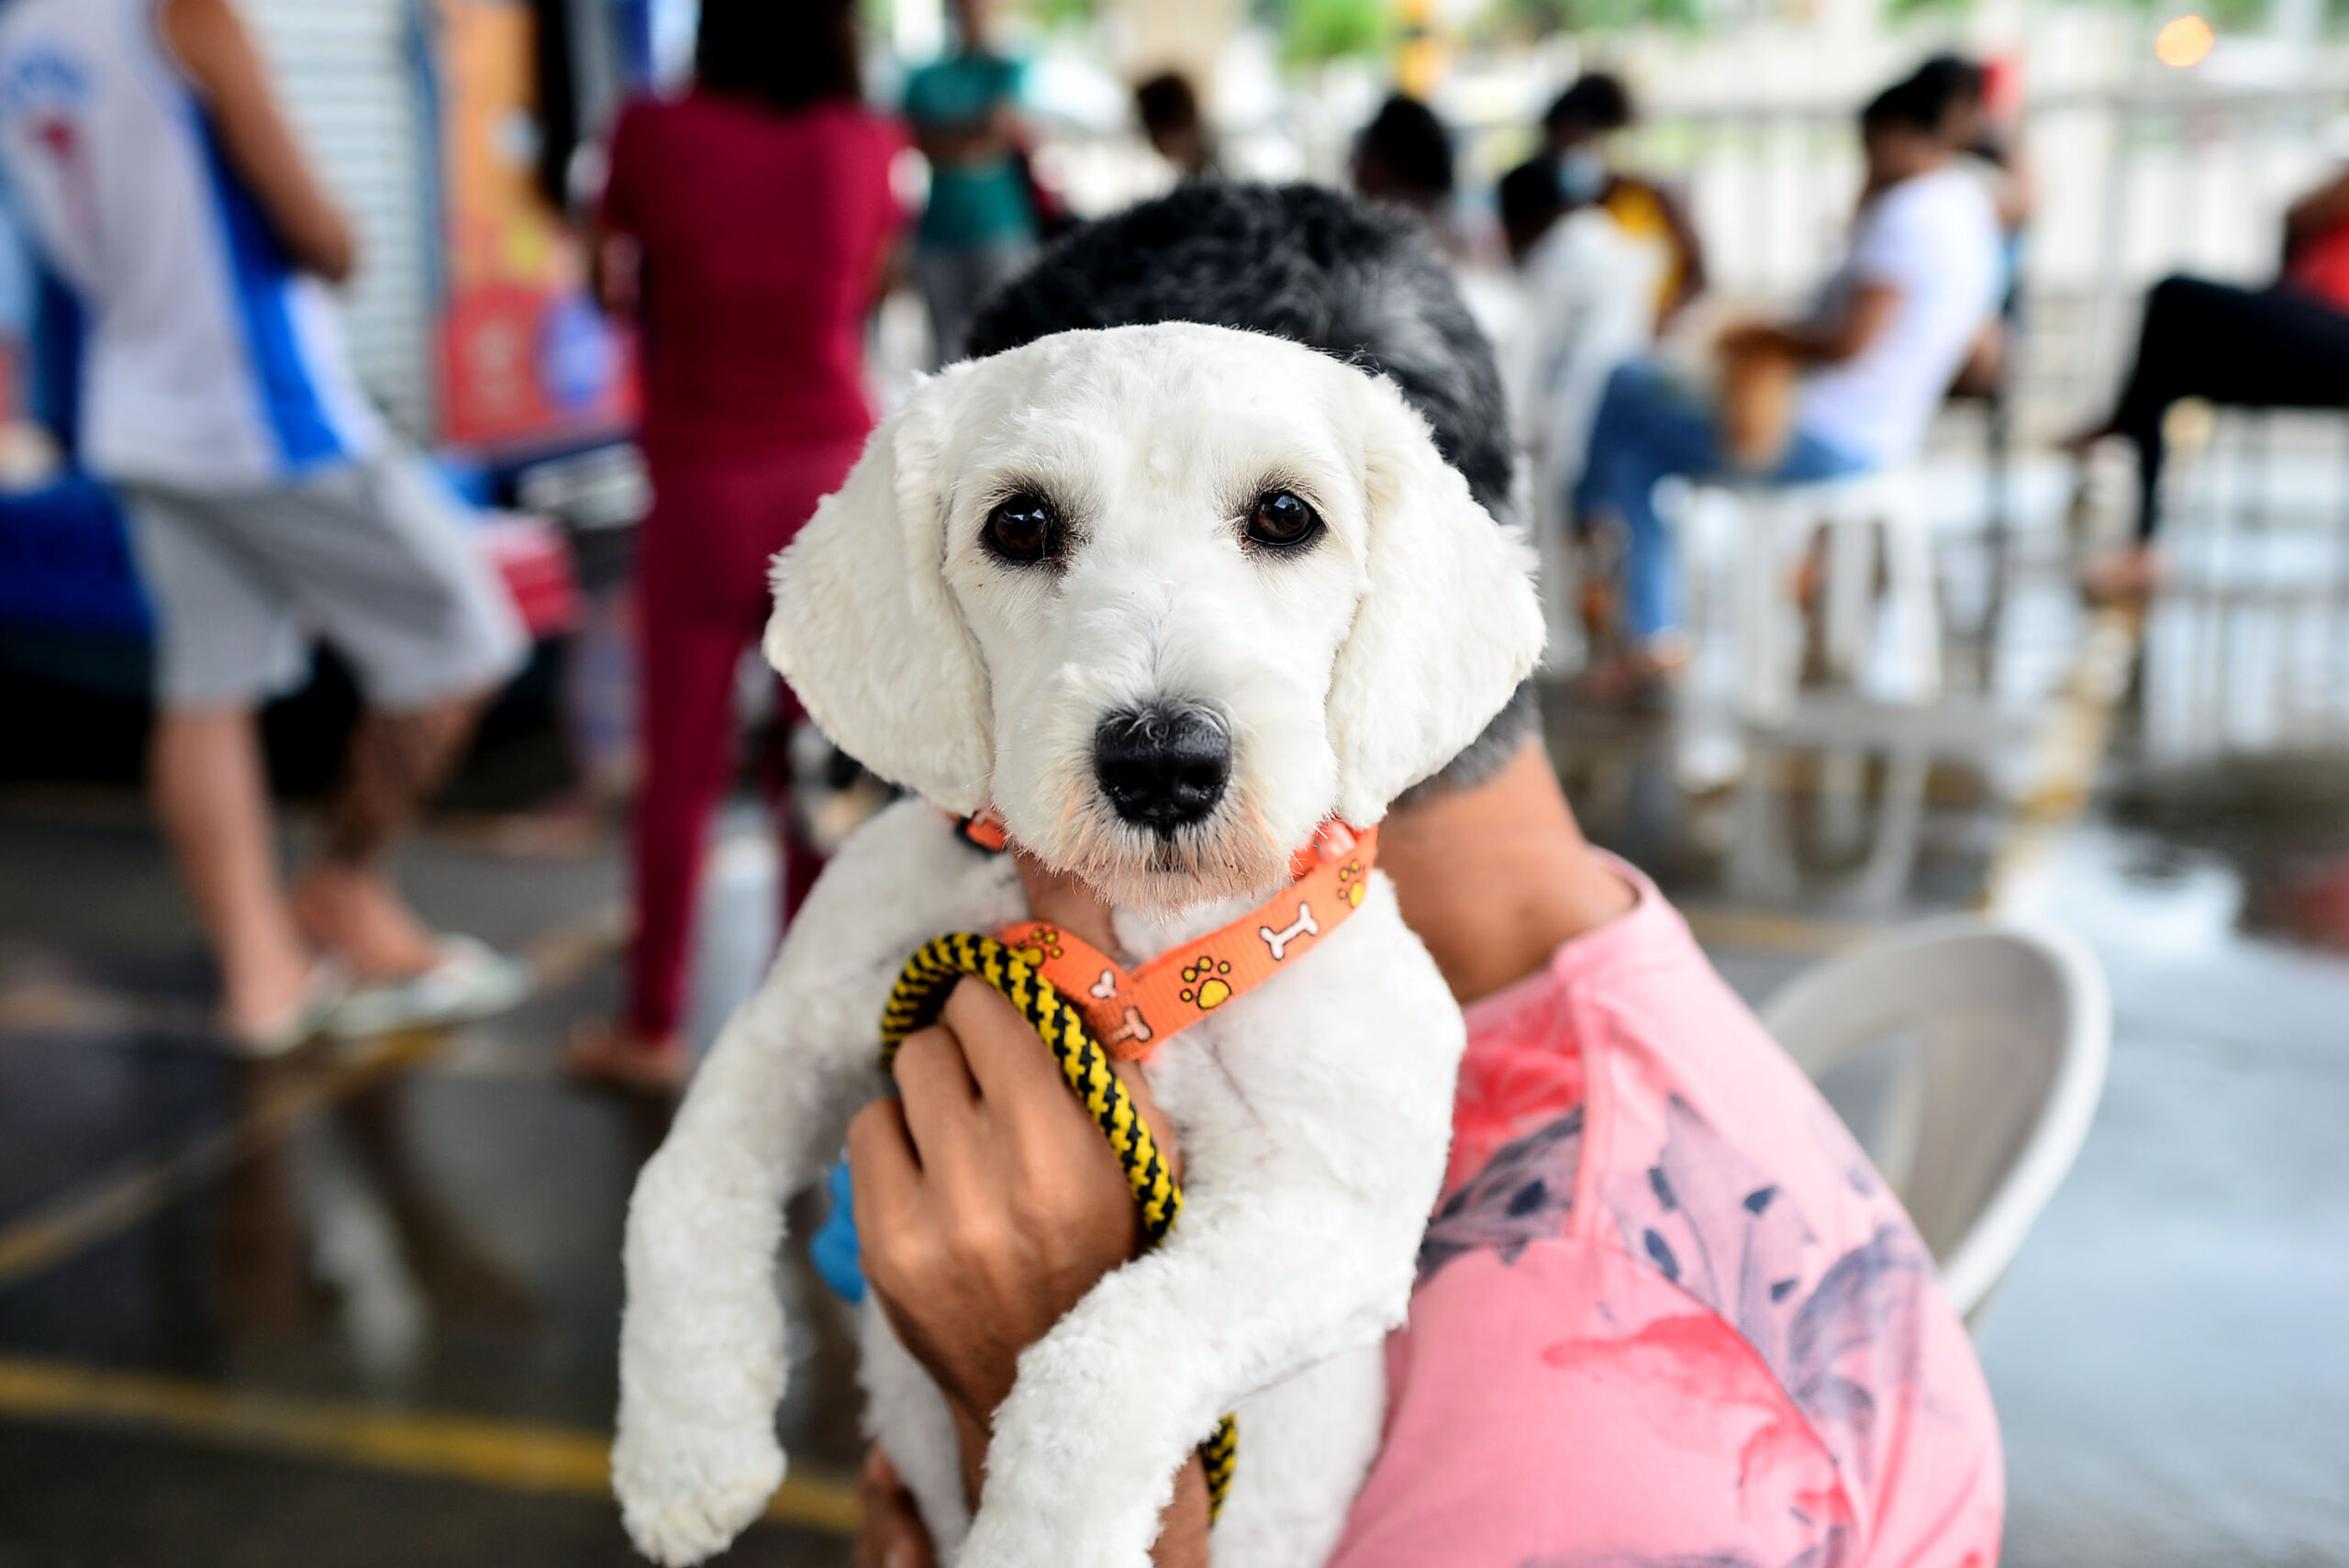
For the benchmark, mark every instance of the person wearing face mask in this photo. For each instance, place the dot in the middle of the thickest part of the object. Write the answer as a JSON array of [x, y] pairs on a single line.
[[1574, 133]]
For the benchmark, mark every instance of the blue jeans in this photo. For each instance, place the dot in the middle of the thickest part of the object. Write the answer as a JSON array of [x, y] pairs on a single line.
[[1646, 430]]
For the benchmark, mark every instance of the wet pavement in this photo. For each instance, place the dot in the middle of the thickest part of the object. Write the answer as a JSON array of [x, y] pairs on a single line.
[[360, 1306]]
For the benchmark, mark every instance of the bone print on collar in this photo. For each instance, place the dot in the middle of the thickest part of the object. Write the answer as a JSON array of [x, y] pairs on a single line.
[[1134, 1011]]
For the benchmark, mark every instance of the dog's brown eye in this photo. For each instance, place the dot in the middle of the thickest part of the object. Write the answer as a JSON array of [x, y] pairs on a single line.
[[1283, 520], [1024, 528]]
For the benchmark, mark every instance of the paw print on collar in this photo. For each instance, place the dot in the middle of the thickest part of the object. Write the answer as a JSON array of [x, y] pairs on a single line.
[[1041, 943], [1204, 975], [1353, 880]]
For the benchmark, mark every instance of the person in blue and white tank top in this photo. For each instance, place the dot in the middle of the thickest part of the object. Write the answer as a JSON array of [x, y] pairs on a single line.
[[143, 146]]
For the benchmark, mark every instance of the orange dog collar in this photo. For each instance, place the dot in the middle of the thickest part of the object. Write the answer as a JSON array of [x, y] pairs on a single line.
[[1133, 1012]]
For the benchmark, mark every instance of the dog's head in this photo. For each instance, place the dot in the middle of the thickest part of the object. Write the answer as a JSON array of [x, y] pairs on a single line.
[[1166, 597]]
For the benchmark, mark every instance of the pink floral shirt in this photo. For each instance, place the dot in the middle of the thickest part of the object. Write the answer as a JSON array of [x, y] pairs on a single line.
[[1666, 1314]]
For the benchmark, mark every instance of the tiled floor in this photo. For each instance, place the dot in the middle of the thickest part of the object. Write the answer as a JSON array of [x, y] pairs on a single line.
[[360, 1306]]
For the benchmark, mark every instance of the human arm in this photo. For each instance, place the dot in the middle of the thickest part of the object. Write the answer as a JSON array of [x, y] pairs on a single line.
[[210, 44], [1693, 280], [1841, 334], [987, 1206], [952, 144]]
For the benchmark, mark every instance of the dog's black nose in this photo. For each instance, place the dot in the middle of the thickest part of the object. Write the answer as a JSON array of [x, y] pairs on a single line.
[[1162, 765]]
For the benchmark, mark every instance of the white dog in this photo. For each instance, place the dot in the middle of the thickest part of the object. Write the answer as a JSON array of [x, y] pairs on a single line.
[[1169, 598]]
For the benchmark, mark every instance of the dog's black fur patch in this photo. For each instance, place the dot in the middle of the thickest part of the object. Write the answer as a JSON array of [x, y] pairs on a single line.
[[1297, 262], [1305, 263]]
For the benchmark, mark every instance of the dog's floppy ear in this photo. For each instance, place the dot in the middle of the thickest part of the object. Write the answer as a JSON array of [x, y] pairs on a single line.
[[1448, 628], [864, 627]]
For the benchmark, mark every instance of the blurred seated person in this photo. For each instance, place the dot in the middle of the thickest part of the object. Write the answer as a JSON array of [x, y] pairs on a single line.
[[2285, 346], [981, 226], [1169, 110], [1981, 121], [1849, 388], [1982, 125], [1576, 131]]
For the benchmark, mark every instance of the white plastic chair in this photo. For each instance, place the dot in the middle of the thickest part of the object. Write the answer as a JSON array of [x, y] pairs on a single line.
[[1774, 526], [1968, 1055]]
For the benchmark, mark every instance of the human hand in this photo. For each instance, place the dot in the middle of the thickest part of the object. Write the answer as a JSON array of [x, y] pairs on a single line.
[[1743, 340], [988, 1202], [889, 1533]]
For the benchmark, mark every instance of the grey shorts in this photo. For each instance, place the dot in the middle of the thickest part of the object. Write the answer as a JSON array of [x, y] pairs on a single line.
[[956, 282], [372, 558]]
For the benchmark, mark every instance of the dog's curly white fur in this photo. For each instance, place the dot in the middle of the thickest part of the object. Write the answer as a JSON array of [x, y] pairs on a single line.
[[1313, 1111]]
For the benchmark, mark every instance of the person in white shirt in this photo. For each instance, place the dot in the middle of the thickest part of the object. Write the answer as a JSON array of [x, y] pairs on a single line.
[[1892, 325], [145, 150]]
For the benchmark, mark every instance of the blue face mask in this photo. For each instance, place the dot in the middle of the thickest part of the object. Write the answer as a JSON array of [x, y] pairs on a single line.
[[1582, 174]]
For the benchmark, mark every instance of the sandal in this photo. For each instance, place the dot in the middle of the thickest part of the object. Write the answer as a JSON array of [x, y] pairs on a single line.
[[298, 1020], [472, 980]]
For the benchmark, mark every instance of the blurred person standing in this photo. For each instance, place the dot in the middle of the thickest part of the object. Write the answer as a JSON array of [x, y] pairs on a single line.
[[146, 149], [2285, 346], [1404, 157], [1168, 108], [747, 226], [1576, 132], [981, 224], [1917, 284]]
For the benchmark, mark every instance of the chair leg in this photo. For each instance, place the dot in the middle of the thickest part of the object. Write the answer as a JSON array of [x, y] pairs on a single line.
[[1916, 599], [1850, 590], [1768, 646]]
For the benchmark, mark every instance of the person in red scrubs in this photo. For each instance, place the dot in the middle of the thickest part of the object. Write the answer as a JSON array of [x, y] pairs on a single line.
[[747, 226]]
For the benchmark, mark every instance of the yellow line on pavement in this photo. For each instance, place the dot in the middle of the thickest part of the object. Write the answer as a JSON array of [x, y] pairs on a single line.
[[514, 1455]]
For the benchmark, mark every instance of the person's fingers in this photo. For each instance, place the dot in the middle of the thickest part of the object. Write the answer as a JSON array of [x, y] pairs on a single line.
[[1010, 1066], [884, 1175], [1020, 1084], [891, 1535], [935, 1087]]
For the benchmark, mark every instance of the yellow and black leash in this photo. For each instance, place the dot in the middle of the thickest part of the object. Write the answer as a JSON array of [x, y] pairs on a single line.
[[915, 1003]]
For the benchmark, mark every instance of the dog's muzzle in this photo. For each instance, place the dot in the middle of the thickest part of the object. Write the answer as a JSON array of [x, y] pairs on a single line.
[[1164, 765]]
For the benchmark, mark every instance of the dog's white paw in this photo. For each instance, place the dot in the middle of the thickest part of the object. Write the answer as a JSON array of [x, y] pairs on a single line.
[[685, 1495]]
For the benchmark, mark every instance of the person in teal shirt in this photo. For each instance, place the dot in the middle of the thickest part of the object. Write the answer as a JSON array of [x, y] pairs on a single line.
[[980, 227]]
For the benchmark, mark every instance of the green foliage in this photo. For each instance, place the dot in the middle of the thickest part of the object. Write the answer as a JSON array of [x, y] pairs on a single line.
[[1538, 17], [1907, 10], [1051, 15], [2226, 15], [1313, 31]]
